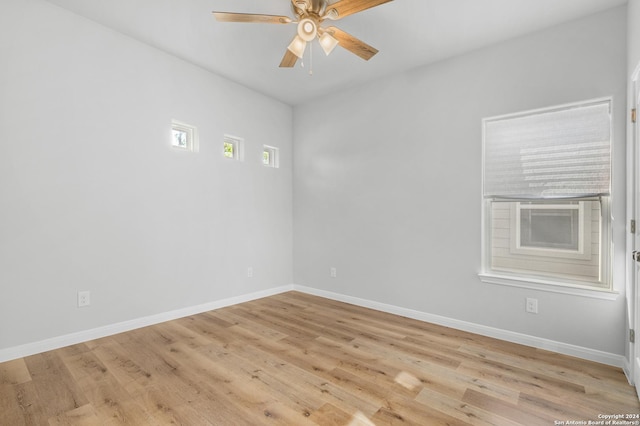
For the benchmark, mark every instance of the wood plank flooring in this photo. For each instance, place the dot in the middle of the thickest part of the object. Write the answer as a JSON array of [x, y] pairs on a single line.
[[296, 359]]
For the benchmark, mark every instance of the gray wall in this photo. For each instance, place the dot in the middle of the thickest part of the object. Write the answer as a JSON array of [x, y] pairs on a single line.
[[387, 181], [93, 196]]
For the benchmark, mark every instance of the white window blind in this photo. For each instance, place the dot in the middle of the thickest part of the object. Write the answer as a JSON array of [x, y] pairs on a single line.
[[558, 153]]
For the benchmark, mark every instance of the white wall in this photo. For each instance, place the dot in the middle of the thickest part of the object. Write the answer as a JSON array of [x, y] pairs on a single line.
[[93, 196], [387, 181]]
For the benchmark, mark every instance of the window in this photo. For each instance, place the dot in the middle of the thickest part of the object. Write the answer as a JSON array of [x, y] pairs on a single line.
[[556, 228], [553, 227], [546, 196], [183, 136], [180, 138], [232, 147], [270, 156]]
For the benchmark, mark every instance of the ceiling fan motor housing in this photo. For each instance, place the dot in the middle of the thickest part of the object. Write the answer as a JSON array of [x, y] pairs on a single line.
[[305, 7], [307, 29]]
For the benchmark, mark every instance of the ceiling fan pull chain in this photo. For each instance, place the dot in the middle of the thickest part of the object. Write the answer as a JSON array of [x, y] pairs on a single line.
[[310, 58]]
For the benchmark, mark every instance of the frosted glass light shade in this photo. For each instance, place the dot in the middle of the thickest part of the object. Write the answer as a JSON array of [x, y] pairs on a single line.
[[297, 46], [328, 43]]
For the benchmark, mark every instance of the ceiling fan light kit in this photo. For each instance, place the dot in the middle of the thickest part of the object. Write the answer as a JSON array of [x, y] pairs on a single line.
[[327, 42], [297, 46], [307, 29], [309, 15]]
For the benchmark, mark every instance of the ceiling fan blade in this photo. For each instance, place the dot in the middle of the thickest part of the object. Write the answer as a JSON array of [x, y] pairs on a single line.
[[250, 17], [352, 44], [349, 7], [289, 59]]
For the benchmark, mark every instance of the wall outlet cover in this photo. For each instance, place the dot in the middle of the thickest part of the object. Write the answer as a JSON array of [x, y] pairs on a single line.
[[84, 298]]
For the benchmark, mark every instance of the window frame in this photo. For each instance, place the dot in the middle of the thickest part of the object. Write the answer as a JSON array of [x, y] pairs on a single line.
[[274, 154], [238, 147], [191, 132], [551, 284], [603, 288], [584, 230]]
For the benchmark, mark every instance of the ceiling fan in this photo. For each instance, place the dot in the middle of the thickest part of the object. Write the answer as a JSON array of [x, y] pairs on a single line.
[[309, 15]]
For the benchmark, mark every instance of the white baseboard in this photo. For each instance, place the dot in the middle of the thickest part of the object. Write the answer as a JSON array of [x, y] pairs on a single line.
[[509, 336], [109, 330], [626, 368]]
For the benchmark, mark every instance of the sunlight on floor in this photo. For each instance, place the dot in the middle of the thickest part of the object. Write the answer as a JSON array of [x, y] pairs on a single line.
[[407, 380], [360, 419]]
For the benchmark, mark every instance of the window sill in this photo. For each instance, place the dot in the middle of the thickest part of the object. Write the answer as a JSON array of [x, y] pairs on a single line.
[[549, 286]]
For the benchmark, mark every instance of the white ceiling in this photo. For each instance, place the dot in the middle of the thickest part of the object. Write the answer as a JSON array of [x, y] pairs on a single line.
[[408, 33]]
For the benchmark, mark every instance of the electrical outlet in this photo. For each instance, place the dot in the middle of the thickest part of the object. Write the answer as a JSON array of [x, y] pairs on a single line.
[[84, 298], [250, 272], [333, 272], [532, 305]]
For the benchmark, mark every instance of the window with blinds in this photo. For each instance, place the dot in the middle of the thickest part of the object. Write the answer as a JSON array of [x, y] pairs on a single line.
[[546, 190]]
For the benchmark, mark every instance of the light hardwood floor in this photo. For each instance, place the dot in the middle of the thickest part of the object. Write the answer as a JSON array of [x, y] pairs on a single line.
[[296, 359]]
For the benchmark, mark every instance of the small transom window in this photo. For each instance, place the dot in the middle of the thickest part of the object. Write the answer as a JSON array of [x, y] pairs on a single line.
[[232, 147], [183, 136], [270, 156]]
